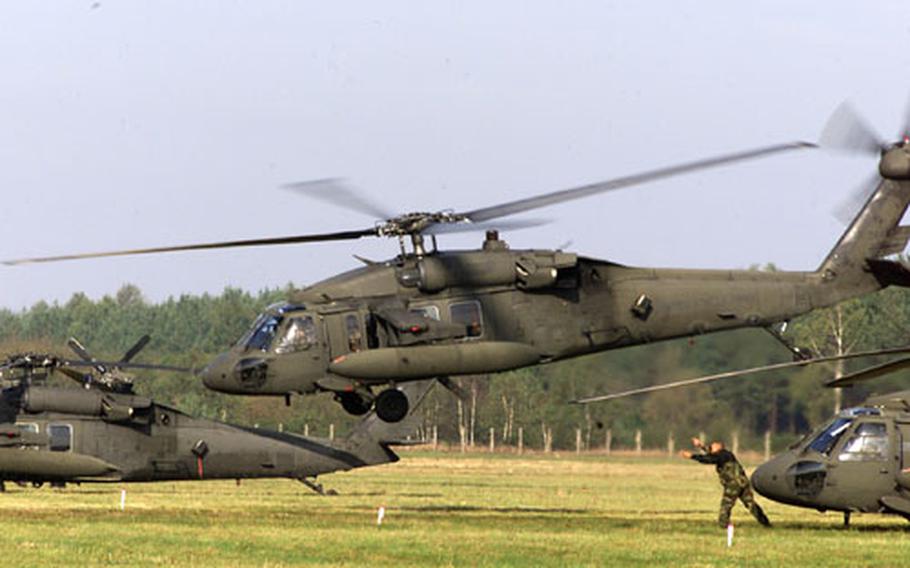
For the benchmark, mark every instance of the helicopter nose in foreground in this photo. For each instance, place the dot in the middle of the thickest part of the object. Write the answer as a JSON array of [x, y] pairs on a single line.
[[215, 375], [769, 479]]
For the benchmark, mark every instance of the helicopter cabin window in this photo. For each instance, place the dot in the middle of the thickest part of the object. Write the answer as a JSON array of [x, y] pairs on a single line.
[[869, 442], [830, 435], [60, 437], [299, 334], [352, 329], [27, 427], [429, 312], [263, 332], [468, 314]]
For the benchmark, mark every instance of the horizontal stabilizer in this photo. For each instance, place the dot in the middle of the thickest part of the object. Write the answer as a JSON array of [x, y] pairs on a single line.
[[889, 273]]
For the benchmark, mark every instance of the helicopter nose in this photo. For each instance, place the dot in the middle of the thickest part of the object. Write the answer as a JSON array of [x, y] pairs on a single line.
[[215, 374], [770, 481]]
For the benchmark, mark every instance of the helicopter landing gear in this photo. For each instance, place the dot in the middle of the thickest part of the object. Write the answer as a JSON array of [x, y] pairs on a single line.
[[354, 403], [846, 519], [392, 405]]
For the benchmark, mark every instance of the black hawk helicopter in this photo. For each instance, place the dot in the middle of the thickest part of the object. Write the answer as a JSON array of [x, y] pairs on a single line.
[[104, 432], [434, 314]]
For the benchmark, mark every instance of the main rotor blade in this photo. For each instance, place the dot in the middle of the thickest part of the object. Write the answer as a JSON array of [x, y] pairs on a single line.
[[83, 353], [135, 349], [547, 199], [870, 373], [145, 366], [740, 373], [848, 131], [340, 236], [513, 225], [339, 193]]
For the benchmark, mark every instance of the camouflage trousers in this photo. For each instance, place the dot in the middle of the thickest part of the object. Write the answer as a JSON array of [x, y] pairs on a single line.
[[743, 493]]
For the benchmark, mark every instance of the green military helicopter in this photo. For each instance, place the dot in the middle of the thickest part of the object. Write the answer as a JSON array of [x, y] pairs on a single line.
[[858, 461], [104, 432], [429, 313]]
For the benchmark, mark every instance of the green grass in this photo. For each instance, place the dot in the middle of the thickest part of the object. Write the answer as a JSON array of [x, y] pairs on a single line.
[[442, 509]]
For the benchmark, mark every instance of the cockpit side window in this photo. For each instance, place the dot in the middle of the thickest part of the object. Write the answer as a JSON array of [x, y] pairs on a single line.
[[299, 334], [869, 442], [830, 435], [429, 312], [264, 333], [29, 427]]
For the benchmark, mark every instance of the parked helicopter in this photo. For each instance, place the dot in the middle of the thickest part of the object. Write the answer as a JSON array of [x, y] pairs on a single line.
[[429, 313], [104, 432]]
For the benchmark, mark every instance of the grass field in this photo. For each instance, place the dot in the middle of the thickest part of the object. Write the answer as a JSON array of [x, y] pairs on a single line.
[[442, 509]]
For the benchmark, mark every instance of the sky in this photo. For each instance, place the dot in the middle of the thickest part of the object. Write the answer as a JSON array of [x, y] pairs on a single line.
[[133, 124]]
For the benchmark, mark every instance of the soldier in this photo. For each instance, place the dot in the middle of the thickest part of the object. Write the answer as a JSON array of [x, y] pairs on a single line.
[[732, 476]]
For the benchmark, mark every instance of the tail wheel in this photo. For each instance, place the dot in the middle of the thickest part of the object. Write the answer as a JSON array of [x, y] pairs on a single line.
[[354, 403], [392, 405]]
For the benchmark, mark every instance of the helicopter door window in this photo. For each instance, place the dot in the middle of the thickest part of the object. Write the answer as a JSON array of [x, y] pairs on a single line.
[[262, 337], [300, 334], [869, 442], [60, 437], [468, 314], [27, 427], [429, 312], [355, 335]]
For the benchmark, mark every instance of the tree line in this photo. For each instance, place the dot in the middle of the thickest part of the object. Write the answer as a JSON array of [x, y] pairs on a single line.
[[190, 329]]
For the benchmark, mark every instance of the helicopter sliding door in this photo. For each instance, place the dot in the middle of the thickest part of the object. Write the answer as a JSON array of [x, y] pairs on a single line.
[[866, 462]]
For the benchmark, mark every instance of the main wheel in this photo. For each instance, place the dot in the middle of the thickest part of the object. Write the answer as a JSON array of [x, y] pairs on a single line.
[[392, 405], [354, 403]]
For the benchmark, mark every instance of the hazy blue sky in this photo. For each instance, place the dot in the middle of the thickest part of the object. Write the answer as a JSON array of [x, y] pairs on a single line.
[[131, 124]]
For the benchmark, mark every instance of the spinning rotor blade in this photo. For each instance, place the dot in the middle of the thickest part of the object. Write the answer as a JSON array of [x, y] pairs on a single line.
[[743, 372], [339, 193], [847, 131], [847, 210], [547, 199], [340, 236], [870, 373], [513, 225], [135, 349]]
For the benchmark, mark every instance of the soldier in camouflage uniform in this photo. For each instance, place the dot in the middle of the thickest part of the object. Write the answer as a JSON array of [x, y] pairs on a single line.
[[732, 476]]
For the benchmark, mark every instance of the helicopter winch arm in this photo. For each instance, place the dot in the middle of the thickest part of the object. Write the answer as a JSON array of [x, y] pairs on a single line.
[[746, 372]]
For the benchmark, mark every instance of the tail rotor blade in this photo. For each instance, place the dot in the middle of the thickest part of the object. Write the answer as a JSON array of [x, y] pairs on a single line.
[[848, 209], [848, 131]]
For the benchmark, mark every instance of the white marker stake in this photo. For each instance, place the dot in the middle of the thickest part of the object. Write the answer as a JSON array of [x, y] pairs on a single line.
[[729, 535], [123, 499], [379, 516]]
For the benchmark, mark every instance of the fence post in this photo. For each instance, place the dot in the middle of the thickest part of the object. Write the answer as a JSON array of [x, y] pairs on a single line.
[[767, 445], [638, 442], [703, 437], [492, 440], [735, 443], [331, 431], [521, 440], [671, 445], [306, 429], [578, 440], [609, 441], [435, 437], [281, 426]]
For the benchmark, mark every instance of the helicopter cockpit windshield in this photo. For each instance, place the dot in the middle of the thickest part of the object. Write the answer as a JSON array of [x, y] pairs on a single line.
[[262, 333], [825, 440], [278, 330]]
